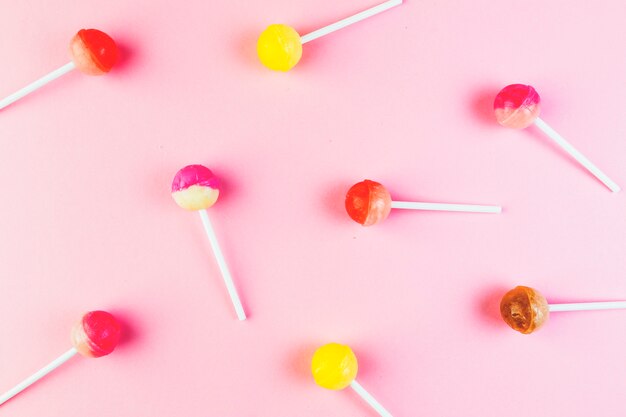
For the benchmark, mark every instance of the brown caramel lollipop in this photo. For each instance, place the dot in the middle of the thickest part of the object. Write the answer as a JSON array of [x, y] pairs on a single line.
[[524, 309]]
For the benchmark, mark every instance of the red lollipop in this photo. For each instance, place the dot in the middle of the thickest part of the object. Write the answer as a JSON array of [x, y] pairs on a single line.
[[95, 335], [93, 53]]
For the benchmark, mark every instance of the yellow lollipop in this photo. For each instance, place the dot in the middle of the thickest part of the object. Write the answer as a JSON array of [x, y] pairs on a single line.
[[280, 46], [334, 367]]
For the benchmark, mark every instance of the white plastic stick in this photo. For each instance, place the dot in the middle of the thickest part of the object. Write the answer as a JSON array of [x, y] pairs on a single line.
[[350, 20], [605, 305], [221, 262], [567, 147], [471, 208], [37, 84], [369, 399], [37, 375]]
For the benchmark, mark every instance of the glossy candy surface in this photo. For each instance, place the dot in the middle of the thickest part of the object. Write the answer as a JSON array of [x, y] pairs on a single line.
[[524, 309], [517, 106], [334, 366], [93, 52], [195, 187], [96, 334], [368, 202], [279, 47]]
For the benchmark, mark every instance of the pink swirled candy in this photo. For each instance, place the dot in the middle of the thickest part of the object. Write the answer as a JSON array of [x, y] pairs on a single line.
[[96, 334], [517, 106], [195, 188]]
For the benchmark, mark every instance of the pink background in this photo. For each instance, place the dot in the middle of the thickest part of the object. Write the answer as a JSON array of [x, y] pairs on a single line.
[[405, 99]]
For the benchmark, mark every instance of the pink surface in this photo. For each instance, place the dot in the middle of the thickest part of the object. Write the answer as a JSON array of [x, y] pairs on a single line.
[[406, 98]]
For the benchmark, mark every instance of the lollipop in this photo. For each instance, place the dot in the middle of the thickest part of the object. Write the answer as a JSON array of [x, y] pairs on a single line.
[[196, 188], [517, 106], [368, 203], [334, 367], [524, 309], [280, 47], [95, 335], [93, 53]]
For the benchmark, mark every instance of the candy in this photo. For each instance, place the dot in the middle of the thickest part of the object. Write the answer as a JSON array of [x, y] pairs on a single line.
[[95, 335], [335, 366], [368, 203], [279, 47], [93, 53], [195, 188], [517, 106], [525, 310]]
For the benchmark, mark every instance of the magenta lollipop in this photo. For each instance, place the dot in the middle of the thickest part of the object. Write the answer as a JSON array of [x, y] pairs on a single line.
[[195, 188], [517, 106]]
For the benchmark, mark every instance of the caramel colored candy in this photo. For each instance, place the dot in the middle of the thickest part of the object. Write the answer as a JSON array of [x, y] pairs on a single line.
[[524, 309]]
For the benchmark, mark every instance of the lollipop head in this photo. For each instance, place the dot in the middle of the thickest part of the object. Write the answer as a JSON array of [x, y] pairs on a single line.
[[96, 334], [516, 106], [334, 366], [93, 52], [368, 202], [195, 187], [279, 47], [524, 309]]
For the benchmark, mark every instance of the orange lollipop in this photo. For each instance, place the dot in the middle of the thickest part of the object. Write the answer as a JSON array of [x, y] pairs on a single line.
[[93, 53], [525, 310], [368, 202]]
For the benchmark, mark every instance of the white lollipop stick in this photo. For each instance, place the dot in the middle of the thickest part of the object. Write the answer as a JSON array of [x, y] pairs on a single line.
[[369, 399], [221, 262], [37, 375], [349, 20], [472, 208], [574, 153], [37, 84], [604, 305]]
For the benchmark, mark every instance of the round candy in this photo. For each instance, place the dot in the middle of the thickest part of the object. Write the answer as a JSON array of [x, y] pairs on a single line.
[[524, 309], [195, 187], [93, 52], [516, 106], [96, 334], [334, 366], [368, 202], [279, 47]]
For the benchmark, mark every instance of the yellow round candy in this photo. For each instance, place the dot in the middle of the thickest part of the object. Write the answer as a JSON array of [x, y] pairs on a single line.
[[279, 47], [334, 366]]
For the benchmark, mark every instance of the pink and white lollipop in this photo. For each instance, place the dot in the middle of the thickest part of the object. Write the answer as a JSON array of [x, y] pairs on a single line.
[[196, 188], [517, 106], [95, 335]]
